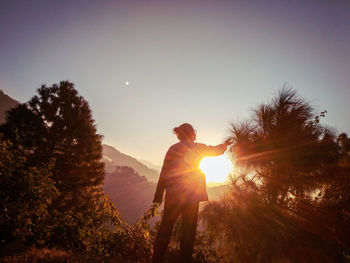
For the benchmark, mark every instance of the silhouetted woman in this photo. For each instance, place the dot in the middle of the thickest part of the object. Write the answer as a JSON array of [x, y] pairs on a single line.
[[185, 187]]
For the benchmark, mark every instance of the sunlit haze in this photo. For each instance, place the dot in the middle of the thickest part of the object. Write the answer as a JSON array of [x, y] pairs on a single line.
[[148, 66], [216, 169]]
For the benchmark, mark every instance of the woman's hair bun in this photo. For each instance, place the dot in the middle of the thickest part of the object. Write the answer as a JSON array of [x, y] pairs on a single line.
[[184, 131]]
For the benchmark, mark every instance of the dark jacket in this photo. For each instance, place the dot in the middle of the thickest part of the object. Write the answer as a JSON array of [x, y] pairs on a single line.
[[181, 177]]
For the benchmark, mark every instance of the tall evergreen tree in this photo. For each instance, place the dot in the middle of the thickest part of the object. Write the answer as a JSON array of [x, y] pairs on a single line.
[[55, 129], [56, 125]]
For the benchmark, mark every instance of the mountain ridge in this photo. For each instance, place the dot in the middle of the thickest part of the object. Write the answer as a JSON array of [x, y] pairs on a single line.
[[151, 165], [112, 157], [6, 103]]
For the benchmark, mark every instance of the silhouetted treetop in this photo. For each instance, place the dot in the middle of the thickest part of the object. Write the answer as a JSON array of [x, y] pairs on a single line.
[[284, 146], [56, 125], [290, 198]]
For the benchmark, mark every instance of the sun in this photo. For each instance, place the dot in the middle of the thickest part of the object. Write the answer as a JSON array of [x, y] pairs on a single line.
[[216, 169]]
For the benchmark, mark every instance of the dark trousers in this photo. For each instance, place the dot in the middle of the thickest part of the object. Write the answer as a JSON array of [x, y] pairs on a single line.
[[189, 215]]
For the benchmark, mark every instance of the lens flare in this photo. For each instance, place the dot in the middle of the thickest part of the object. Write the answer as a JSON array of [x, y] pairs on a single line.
[[216, 169]]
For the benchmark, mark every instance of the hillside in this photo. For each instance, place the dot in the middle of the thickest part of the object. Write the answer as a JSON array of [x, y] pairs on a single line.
[[112, 157], [215, 192], [151, 165], [6, 103], [132, 194]]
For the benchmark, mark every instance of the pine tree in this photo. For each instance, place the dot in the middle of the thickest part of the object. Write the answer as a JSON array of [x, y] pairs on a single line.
[[56, 125], [55, 129], [290, 186]]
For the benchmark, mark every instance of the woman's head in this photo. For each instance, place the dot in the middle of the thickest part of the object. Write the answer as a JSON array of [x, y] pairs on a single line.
[[185, 132]]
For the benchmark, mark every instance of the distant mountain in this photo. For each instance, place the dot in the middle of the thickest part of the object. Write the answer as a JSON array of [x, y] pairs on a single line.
[[216, 192], [112, 157], [131, 193], [151, 165], [6, 103]]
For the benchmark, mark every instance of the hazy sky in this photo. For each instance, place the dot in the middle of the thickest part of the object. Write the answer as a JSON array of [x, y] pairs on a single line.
[[202, 62]]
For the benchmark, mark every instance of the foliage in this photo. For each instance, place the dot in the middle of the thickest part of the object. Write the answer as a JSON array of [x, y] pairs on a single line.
[[284, 147], [289, 201], [333, 202], [56, 125], [25, 195], [253, 230], [137, 240]]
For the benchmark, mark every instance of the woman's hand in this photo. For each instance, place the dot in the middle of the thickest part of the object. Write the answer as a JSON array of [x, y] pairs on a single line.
[[228, 142]]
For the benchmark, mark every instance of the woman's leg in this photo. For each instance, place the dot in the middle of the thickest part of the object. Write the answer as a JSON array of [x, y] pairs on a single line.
[[189, 226], [171, 213]]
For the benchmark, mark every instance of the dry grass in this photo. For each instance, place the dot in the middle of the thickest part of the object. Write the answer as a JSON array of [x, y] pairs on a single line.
[[36, 255]]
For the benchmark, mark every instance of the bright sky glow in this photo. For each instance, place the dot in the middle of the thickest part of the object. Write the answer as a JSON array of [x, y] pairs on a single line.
[[216, 169], [146, 67]]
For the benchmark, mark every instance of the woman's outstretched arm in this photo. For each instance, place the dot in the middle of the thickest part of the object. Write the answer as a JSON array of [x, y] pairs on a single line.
[[209, 150]]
